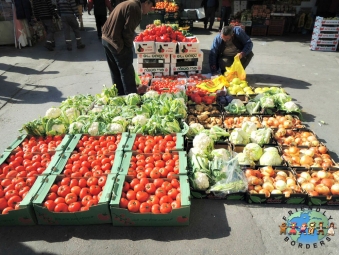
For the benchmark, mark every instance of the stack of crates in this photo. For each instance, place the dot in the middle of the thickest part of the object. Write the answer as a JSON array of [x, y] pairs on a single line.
[[325, 35], [168, 58]]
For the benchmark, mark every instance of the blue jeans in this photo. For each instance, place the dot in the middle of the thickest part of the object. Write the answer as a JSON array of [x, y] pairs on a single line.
[[121, 67], [224, 16]]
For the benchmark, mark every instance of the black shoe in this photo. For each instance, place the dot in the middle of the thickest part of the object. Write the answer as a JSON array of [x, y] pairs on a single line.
[[53, 44], [81, 46], [69, 48], [49, 47], [210, 29], [205, 26]]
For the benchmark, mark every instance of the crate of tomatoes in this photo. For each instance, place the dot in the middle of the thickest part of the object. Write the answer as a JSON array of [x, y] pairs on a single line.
[[88, 156], [155, 143], [63, 200], [16, 195], [40, 144], [153, 165], [150, 202]]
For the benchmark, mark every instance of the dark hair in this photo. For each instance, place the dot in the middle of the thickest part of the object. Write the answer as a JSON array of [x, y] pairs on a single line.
[[227, 30], [151, 1]]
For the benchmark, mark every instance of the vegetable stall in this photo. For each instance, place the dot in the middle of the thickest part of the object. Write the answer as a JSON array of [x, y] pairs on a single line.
[[139, 160]]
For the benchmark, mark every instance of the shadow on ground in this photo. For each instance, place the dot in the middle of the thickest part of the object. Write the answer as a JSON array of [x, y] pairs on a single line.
[[207, 220]]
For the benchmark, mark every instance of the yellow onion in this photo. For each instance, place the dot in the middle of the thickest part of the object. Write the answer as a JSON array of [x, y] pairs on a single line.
[[253, 192], [307, 186], [336, 176], [280, 185], [301, 180], [269, 179], [257, 187], [268, 186], [267, 170], [322, 189], [290, 182], [322, 174], [305, 175], [335, 189], [265, 191], [276, 191], [282, 173]]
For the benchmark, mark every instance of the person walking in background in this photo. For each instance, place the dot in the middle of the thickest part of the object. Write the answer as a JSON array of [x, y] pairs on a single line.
[[100, 12], [210, 7], [43, 10], [225, 13], [80, 3], [67, 10], [85, 5], [117, 39]]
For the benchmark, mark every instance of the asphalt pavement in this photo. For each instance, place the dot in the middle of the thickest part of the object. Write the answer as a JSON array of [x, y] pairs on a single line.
[[33, 79]]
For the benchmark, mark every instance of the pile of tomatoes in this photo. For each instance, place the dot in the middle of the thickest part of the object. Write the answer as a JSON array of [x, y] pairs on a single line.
[[169, 7], [199, 96], [158, 196], [166, 85], [13, 191], [74, 194], [154, 144], [162, 33], [145, 79], [30, 158], [156, 165], [93, 156]]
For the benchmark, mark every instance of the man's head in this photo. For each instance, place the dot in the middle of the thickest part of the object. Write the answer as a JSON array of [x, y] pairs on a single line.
[[226, 33], [147, 6]]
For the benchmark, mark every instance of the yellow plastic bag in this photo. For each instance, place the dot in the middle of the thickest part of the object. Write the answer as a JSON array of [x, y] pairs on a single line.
[[236, 70], [209, 86]]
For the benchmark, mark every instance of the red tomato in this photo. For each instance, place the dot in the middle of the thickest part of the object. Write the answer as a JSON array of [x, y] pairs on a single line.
[[172, 193], [156, 209], [126, 187], [63, 190], [86, 199], [94, 189], [175, 205], [123, 203], [70, 198], [134, 182], [74, 207], [59, 200], [142, 196], [153, 199], [160, 192], [50, 205], [92, 181], [145, 208], [76, 190], [133, 206], [12, 201], [158, 182], [84, 192], [6, 210], [102, 181], [11, 193], [131, 195], [165, 208], [3, 203], [61, 207]]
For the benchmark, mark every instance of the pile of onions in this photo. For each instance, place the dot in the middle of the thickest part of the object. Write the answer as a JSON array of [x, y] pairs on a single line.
[[319, 183], [291, 137], [268, 181], [281, 121], [236, 122], [311, 157]]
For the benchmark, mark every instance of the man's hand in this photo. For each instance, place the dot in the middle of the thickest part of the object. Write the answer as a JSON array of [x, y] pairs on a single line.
[[240, 55]]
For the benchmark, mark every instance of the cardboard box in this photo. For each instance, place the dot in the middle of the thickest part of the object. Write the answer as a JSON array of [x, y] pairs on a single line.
[[165, 47], [165, 57], [322, 35], [315, 42], [25, 215], [65, 141], [322, 48], [189, 47], [164, 70], [97, 214], [144, 47], [199, 56], [123, 217], [322, 21], [132, 137], [126, 161], [175, 68]]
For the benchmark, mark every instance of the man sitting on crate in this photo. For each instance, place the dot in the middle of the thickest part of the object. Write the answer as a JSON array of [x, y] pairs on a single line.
[[230, 42]]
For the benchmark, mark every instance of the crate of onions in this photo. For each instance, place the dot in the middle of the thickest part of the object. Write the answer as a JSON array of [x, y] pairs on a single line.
[[268, 185], [321, 186]]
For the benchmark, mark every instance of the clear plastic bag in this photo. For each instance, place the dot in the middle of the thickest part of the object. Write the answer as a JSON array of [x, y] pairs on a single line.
[[234, 182]]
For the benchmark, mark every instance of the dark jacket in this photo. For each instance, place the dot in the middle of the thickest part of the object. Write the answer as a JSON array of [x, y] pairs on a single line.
[[241, 41], [121, 24], [43, 9], [204, 4], [100, 6], [67, 7], [23, 9]]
